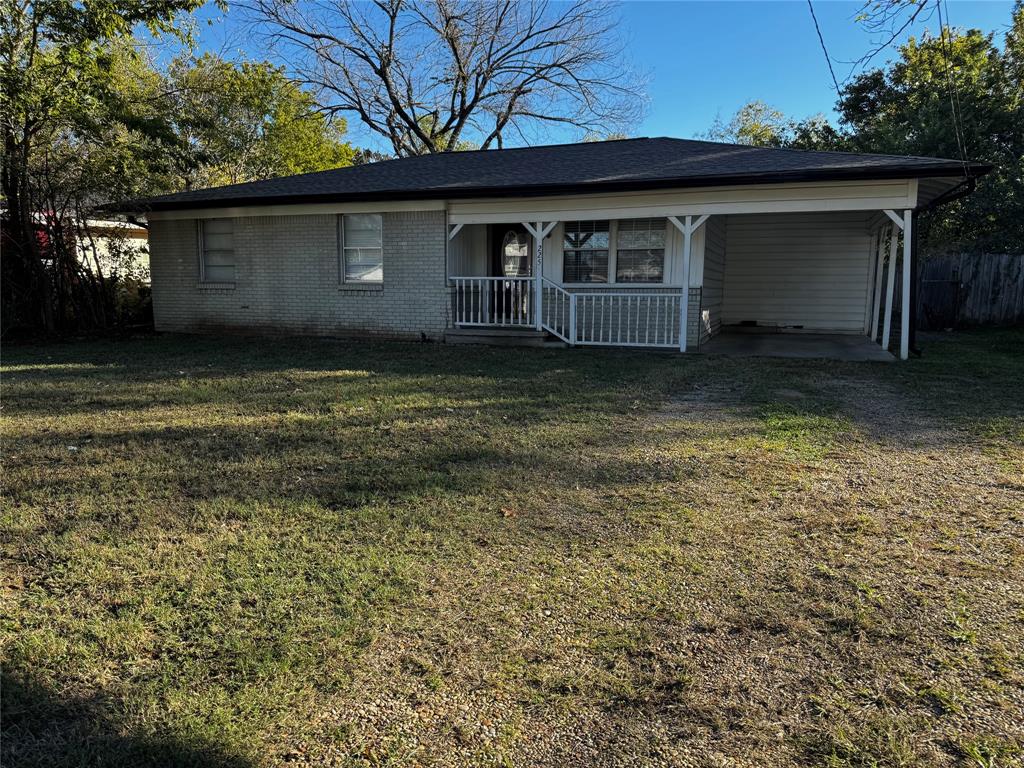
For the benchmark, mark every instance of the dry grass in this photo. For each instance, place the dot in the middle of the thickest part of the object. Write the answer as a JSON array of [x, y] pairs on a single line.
[[239, 552]]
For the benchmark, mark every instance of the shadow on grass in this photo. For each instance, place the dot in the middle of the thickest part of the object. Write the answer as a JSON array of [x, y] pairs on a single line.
[[44, 728], [971, 381]]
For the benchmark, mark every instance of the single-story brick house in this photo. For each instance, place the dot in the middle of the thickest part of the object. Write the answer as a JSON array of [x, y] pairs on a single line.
[[654, 242]]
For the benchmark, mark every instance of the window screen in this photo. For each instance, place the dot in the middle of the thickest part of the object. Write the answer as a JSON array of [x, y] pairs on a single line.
[[640, 251], [585, 252], [217, 237], [362, 255]]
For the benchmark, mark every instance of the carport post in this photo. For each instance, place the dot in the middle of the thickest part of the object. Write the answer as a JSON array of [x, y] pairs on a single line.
[[908, 217], [879, 266], [890, 285]]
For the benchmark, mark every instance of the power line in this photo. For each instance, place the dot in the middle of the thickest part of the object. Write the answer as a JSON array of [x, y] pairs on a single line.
[[946, 48], [828, 59]]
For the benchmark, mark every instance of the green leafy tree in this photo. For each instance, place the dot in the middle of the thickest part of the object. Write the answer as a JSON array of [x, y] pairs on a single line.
[[56, 86], [755, 124], [249, 121], [953, 95], [758, 124]]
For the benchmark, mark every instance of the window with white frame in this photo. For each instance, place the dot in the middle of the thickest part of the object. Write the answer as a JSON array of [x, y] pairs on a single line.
[[362, 256], [640, 251], [585, 252], [217, 249]]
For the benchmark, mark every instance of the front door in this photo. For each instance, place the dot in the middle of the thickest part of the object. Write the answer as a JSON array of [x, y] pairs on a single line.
[[511, 251], [511, 258]]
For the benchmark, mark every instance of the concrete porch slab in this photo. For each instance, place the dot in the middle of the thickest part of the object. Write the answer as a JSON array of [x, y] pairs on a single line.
[[798, 345]]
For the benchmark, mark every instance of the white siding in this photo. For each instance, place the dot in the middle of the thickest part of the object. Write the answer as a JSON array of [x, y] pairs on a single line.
[[797, 270], [467, 251], [713, 276]]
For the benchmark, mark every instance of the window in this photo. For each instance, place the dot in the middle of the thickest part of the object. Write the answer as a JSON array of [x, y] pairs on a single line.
[[362, 259], [217, 245], [640, 251], [585, 249]]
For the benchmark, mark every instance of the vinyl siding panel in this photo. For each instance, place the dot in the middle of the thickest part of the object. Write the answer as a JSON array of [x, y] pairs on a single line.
[[467, 251], [713, 276], [797, 270]]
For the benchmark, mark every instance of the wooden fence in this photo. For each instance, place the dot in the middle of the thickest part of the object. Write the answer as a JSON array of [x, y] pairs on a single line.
[[964, 290]]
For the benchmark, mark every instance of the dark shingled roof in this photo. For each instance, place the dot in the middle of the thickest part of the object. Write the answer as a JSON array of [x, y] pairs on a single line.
[[629, 164]]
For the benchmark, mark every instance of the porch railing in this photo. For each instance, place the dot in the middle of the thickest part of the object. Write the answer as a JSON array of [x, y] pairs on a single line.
[[621, 319], [557, 310], [637, 318], [493, 301], [612, 318]]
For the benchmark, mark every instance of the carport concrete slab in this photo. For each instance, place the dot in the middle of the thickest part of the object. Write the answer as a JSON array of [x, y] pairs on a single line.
[[801, 345]]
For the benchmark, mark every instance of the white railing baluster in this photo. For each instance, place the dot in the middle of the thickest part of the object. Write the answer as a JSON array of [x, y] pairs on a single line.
[[597, 317], [647, 322], [497, 301]]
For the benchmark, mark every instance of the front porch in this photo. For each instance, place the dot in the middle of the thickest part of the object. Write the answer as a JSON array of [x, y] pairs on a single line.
[[674, 269], [652, 277], [570, 280]]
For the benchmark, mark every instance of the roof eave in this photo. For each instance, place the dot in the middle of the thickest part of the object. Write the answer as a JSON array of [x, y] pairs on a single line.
[[971, 170]]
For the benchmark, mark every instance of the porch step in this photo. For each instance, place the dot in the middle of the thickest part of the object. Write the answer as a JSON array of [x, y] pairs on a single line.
[[501, 337]]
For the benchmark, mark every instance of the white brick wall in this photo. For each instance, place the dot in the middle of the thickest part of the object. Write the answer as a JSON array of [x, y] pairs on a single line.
[[287, 279]]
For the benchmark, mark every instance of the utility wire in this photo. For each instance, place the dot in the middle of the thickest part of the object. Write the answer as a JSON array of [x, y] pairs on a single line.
[[946, 47], [828, 59]]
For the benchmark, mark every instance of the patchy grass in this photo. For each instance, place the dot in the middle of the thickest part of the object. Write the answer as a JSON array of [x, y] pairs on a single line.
[[248, 552]]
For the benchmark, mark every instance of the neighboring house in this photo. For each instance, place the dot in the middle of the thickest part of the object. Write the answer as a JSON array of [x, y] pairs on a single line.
[[641, 242], [110, 246], [115, 247]]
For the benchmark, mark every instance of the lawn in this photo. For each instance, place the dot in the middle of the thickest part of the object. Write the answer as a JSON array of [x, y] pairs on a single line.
[[253, 552]]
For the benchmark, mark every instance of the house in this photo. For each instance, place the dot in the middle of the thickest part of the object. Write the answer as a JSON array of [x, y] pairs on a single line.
[[652, 242], [115, 247]]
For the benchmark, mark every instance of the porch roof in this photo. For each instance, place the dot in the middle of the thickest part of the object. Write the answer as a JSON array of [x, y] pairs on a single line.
[[609, 166]]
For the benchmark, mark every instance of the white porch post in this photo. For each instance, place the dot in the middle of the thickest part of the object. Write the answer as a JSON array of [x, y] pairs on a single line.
[[688, 226], [538, 287], [905, 298], [684, 300], [539, 232]]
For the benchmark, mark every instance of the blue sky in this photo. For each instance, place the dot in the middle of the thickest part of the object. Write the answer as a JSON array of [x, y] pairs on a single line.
[[709, 58]]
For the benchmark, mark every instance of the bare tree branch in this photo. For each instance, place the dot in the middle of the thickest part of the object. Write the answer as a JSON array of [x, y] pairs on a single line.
[[438, 75]]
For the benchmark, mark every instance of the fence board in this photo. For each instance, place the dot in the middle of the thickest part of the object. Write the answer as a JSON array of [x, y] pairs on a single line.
[[964, 290]]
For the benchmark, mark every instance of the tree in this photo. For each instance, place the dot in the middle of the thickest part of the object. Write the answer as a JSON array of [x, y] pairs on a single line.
[[953, 95], [428, 75], [956, 95], [88, 119], [249, 121], [759, 125], [54, 80]]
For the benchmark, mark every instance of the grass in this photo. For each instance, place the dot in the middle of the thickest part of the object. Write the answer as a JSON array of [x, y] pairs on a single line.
[[247, 552]]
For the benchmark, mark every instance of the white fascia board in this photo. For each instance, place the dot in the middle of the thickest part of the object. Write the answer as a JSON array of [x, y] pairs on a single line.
[[767, 198], [384, 206]]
